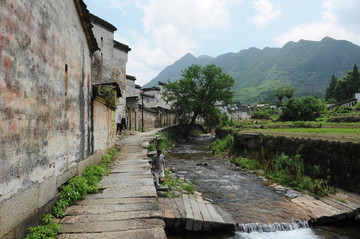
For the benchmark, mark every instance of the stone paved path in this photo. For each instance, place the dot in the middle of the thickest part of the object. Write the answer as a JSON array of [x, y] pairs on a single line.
[[127, 206]]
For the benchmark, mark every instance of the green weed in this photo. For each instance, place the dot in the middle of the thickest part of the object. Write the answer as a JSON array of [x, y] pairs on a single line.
[[219, 146], [75, 189]]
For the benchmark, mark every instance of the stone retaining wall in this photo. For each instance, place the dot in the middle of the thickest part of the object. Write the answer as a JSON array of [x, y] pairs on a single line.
[[343, 159]]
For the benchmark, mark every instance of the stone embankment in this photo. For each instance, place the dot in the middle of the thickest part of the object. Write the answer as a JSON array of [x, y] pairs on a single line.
[[332, 208], [126, 206]]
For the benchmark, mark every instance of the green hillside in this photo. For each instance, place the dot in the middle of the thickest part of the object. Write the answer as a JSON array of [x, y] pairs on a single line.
[[306, 65]]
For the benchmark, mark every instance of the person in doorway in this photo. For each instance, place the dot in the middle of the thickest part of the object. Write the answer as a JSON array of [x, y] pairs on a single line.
[[118, 123], [158, 167]]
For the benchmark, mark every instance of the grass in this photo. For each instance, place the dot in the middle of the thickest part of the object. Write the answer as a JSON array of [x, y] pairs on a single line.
[[73, 190], [220, 146], [318, 130], [342, 200], [175, 184]]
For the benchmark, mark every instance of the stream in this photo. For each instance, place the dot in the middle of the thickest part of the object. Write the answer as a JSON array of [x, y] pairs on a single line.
[[259, 210]]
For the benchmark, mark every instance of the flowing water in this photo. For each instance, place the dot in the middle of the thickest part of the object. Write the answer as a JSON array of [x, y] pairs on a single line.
[[258, 210]]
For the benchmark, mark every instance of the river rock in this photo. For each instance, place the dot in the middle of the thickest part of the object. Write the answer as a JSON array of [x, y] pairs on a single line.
[[181, 173], [292, 194], [145, 145], [357, 218]]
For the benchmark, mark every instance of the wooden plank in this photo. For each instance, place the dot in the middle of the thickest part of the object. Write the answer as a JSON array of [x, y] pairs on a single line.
[[198, 219], [177, 216], [189, 215], [181, 208], [205, 214]]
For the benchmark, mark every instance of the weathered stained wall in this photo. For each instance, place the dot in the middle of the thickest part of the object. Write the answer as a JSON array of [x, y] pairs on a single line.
[[104, 130], [45, 105]]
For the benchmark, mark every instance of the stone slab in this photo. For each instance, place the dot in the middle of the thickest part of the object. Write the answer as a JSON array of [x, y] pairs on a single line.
[[181, 209], [218, 221], [165, 207], [105, 201], [132, 170], [188, 212], [205, 214], [113, 216], [152, 233], [115, 182], [198, 219], [317, 208], [113, 226], [126, 192], [177, 217], [135, 173], [95, 209]]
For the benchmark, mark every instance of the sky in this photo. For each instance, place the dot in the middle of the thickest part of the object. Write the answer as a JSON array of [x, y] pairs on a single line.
[[159, 32]]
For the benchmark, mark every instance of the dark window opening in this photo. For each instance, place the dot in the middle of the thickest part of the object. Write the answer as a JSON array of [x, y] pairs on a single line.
[[66, 79]]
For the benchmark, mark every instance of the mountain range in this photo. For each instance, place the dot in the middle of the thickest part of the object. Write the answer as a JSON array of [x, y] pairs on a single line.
[[306, 65]]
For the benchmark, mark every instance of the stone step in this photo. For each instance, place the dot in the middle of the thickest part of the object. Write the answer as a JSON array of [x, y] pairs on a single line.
[[205, 214], [126, 192], [113, 216], [152, 233], [198, 219], [189, 225], [95, 209], [112, 226], [105, 201], [116, 182], [192, 214], [167, 212]]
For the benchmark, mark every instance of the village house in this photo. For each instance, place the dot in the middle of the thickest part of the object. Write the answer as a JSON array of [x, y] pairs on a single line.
[[132, 104], [58, 90], [109, 64], [157, 111], [349, 102]]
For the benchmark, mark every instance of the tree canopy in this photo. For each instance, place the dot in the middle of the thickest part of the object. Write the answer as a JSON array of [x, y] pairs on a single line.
[[345, 88], [282, 92], [198, 91]]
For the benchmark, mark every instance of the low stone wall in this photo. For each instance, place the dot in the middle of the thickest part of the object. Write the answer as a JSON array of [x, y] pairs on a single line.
[[342, 159]]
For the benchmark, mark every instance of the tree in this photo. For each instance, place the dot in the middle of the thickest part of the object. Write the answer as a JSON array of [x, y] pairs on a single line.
[[198, 91], [346, 87], [330, 90], [282, 92], [304, 108]]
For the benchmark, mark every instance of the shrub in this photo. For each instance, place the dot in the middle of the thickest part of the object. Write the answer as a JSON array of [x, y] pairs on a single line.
[[306, 108], [262, 113]]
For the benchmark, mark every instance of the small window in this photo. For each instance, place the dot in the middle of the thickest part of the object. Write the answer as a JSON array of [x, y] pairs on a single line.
[[66, 79]]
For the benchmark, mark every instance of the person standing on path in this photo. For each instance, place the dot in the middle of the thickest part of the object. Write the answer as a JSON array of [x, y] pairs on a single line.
[[158, 167]]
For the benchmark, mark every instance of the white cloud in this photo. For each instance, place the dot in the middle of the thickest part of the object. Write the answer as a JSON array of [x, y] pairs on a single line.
[[339, 20], [171, 29], [266, 12], [119, 4]]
